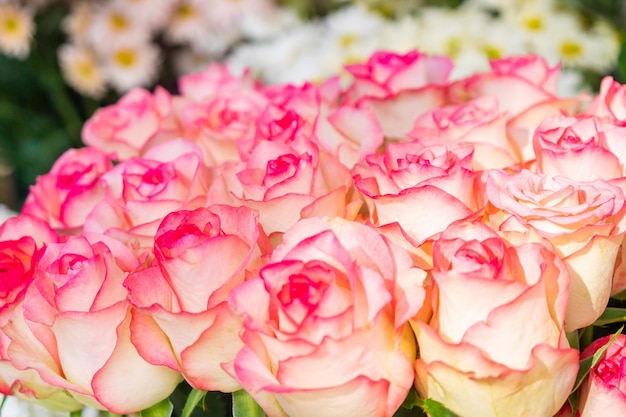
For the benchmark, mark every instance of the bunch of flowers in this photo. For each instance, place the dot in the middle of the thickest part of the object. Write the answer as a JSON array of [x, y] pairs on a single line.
[[471, 34], [402, 241]]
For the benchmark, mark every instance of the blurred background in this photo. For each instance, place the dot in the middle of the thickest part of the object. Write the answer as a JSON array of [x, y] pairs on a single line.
[[60, 60]]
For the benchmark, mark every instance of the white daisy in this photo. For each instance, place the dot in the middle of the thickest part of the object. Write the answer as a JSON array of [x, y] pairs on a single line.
[[151, 13], [131, 65], [81, 70], [188, 22], [16, 30], [113, 26], [76, 23]]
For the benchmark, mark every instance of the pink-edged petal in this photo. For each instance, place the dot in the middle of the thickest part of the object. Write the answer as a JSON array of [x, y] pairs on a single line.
[[128, 384], [218, 344], [398, 114], [414, 209]]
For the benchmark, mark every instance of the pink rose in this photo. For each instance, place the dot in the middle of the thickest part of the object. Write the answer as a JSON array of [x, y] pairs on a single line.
[[603, 392], [138, 121], [422, 187], [22, 241], [478, 122], [64, 196], [73, 328], [213, 80], [583, 220], [285, 184], [475, 355], [140, 192], [346, 132], [218, 123], [610, 103], [580, 148], [525, 87], [322, 328], [181, 318], [398, 88]]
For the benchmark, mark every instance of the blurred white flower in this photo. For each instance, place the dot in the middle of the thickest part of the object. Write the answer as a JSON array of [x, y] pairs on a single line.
[[131, 65], [152, 14], [113, 26], [187, 21], [16, 30], [81, 70], [76, 23]]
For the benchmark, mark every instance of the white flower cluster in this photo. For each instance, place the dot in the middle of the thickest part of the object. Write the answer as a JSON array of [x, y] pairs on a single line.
[[120, 43], [471, 35]]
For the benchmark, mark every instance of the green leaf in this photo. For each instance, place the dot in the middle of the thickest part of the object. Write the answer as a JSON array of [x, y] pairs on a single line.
[[620, 296], [585, 366], [436, 409], [162, 409], [588, 363], [245, 406], [611, 315], [76, 413], [412, 400], [572, 338], [195, 396]]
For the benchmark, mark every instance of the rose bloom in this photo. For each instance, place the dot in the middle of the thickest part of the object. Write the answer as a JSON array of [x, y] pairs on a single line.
[[22, 240], [603, 392], [181, 318], [422, 187], [526, 89], [583, 220], [218, 123], [478, 122], [140, 192], [215, 79], [610, 102], [138, 121], [496, 337], [323, 331], [64, 196], [73, 328], [580, 148], [285, 184], [344, 131], [398, 88]]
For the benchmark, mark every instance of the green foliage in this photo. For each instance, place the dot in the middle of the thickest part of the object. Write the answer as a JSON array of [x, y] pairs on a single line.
[[245, 406], [161, 409], [40, 117]]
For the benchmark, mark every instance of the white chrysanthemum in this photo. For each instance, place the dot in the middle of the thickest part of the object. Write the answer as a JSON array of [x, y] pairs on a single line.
[[150, 13], [77, 22], [16, 30], [351, 34], [224, 14], [188, 21], [536, 19], [402, 35], [280, 60], [81, 70], [568, 43], [448, 31], [112, 26], [499, 40], [259, 27], [131, 65]]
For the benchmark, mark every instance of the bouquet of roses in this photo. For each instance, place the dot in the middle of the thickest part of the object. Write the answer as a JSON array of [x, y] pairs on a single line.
[[330, 249]]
